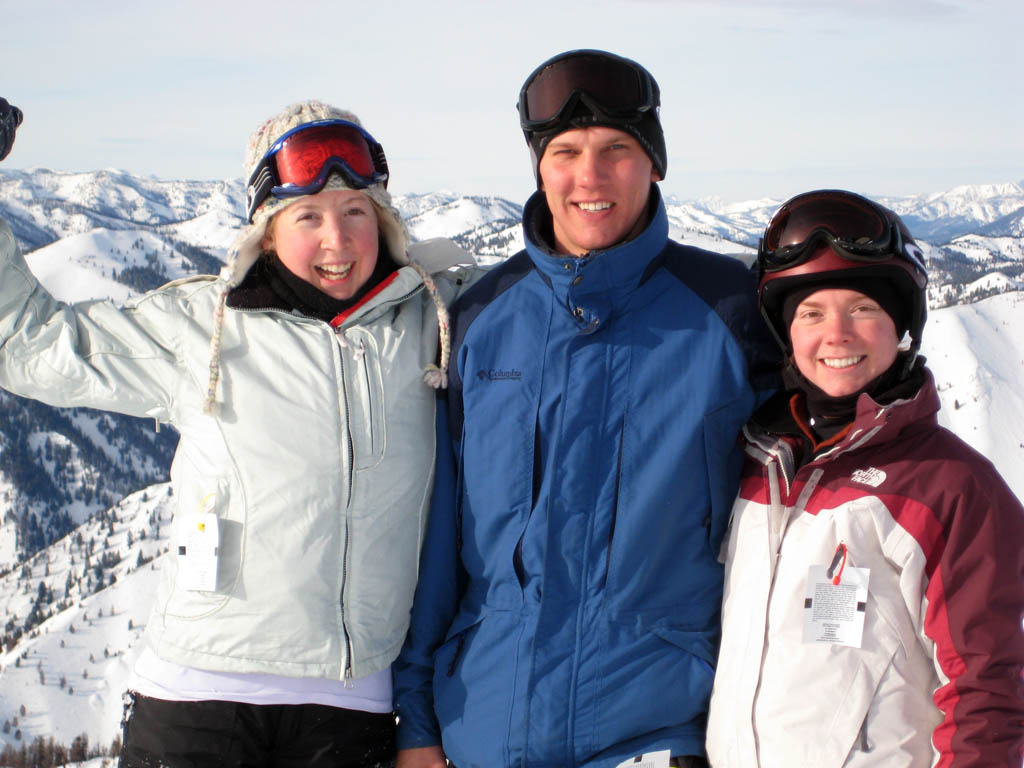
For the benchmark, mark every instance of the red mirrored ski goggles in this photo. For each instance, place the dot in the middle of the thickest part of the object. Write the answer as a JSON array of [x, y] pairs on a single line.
[[300, 162]]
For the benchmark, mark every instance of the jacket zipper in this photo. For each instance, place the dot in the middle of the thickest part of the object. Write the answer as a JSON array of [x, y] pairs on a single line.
[[344, 555], [338, 331], [774, 467]]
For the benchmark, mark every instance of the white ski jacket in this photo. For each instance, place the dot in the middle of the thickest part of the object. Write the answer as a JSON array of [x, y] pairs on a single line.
[[318, 463], [937, 676]]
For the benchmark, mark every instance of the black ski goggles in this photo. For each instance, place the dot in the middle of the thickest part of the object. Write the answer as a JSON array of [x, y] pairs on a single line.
[[611, 87], [855, 227], [300, 162]]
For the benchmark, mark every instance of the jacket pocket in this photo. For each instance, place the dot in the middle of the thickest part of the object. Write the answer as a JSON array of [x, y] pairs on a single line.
[[364, 390], [210, 496], [854, 718], [844, 705], [696, 643], [473, 694], [447, 655], [654, 678]]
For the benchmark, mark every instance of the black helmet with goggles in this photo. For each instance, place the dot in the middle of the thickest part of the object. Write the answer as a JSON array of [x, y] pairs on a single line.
[[864, 239]]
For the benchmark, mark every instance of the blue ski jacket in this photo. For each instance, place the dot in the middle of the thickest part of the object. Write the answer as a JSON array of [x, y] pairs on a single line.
[[568, 604]]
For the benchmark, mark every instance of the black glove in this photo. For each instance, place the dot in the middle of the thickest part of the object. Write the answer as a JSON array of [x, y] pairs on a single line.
[[10, 119]]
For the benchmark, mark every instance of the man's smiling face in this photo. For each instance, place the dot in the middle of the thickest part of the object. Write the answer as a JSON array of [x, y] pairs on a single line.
[[597, 181]]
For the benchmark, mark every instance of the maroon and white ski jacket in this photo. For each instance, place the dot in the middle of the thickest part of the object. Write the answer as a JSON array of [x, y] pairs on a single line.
[[937, 679]]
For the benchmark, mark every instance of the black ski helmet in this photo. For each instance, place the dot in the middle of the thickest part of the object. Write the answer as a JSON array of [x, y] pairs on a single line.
[[865, 241]]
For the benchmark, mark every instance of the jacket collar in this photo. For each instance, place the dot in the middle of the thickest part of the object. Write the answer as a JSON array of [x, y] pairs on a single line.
[[894, 419], [611, 271], [256, 293], [874, 424]]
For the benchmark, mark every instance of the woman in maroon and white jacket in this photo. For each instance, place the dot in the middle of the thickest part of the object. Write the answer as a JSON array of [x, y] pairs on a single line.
[[874, 591]]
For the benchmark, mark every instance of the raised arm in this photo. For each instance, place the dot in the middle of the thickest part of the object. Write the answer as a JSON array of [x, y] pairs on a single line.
[[92, 354]]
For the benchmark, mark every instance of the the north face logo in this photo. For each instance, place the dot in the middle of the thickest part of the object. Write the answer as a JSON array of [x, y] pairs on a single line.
[[870, 476], [498, 374]]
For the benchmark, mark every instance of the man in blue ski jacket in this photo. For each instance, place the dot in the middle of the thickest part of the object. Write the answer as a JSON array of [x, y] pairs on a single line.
[[567, 612]]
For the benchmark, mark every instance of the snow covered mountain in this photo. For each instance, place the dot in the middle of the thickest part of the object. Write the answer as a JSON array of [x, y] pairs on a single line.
[[84, 514], [195, 220]]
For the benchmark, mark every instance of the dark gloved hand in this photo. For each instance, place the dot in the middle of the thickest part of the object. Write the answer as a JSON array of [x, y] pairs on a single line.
[[10, 119]]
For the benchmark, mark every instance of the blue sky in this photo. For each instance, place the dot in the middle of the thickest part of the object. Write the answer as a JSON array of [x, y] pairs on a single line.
[[761, 98]]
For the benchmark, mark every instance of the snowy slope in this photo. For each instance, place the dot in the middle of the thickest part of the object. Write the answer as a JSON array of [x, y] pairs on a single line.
[[976, 352], [71, 673], [83, 267]]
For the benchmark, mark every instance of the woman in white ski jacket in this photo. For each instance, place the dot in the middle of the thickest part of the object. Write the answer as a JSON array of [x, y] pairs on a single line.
[[297, 383], [874, 587]]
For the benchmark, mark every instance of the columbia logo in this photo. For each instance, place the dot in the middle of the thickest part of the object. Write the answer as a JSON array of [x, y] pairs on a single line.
[[870, 476], [498, 374]]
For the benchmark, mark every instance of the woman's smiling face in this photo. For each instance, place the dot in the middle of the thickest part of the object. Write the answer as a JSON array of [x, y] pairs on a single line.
[[329, 239], [841, 340]]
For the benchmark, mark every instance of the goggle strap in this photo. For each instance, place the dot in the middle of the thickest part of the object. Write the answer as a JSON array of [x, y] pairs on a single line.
[[380, 161], [262, 181]]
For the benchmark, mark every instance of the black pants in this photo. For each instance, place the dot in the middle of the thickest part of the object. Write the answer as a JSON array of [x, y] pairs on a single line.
[[205, 734]]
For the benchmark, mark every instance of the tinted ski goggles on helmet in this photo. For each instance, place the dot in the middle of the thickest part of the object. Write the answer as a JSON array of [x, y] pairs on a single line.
[[300, 162], [855, 227], [611, 87]]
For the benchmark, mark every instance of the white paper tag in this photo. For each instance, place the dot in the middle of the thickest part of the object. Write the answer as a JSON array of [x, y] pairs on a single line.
[[648, 760], [198, 544], [834, 613]]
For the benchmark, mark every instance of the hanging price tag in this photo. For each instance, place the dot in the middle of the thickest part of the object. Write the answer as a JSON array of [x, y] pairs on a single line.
[[198, 543], [834, 612]]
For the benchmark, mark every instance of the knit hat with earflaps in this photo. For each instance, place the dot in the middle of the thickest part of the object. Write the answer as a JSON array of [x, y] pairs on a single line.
[[247, 247]]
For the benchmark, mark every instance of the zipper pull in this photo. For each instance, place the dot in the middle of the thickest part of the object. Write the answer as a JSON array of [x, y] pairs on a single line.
[[840, 555]]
